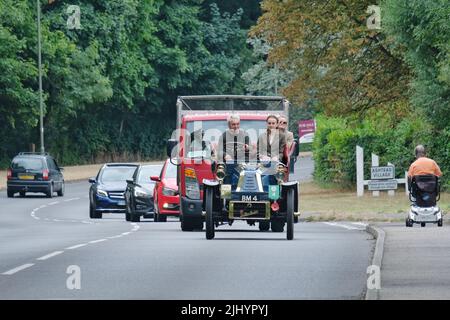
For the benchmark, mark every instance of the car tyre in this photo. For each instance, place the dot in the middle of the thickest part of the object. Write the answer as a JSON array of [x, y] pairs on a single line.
[[62, 191], [135, 218], [290, 215], [210, 232], [408, 223], [162, 217], [22, 194], [422, 224], [94, 214], [277, 225], [50, 191], [127, 212], [264, 225], [10, 194], [440, 222]]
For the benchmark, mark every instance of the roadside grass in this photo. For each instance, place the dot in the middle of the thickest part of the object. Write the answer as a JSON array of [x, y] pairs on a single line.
[[319, 203]]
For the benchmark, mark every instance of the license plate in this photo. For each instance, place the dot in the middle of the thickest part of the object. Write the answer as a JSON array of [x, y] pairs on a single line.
[[249, 197], [26, 177], [427, 218], [121, 203]]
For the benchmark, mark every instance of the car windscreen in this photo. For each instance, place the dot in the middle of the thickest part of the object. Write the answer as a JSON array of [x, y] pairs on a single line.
[[252, 127], [212, 129], [113, 174], [171, 171], [146, 172], [27, 164]]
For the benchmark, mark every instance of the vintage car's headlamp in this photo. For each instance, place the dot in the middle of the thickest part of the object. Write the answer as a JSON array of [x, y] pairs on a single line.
[[220, 172], [281, 173]]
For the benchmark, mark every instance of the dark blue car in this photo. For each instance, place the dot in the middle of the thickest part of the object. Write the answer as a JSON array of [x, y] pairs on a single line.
[[106, 193]]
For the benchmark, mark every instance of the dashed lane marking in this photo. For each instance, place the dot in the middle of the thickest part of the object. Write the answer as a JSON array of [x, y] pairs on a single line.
[[20, 268], [96, 241], [76, 246], [50, 255]]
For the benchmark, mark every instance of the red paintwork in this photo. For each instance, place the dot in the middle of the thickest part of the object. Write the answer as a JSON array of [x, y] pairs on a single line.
[[158, 197]]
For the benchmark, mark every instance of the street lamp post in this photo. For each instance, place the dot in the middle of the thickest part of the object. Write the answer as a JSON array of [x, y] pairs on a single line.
[[41, 126]]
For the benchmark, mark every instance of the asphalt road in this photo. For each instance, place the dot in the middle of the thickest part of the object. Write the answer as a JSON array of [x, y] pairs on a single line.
[[41, 238]]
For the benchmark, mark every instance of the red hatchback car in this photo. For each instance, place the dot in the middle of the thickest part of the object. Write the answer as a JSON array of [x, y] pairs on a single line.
[[165, 195]]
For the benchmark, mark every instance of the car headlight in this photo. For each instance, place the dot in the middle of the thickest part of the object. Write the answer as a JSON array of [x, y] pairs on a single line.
[[220, 172], [169, 192], [139, 192], [102, 193]]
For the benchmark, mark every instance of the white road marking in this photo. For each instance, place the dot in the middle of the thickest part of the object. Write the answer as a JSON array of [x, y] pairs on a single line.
[[87, 222], [72, 199], [20, 268], [115, 237], [43, 206], [341, 225], [53, 203], [126, 233], [48, 256], [360, 224], [96, 241], [76, 246]]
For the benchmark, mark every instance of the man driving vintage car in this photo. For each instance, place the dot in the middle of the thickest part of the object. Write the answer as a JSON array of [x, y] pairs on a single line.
[[234, 142]]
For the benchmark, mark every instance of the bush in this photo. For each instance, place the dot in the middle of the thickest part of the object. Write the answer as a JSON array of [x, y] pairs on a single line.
[[336, 139]]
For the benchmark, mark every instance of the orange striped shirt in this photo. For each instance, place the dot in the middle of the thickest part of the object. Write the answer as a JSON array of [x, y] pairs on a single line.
[[423, 166]]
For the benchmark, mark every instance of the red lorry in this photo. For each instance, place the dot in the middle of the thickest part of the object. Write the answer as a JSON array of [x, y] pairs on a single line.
[[207, 115]]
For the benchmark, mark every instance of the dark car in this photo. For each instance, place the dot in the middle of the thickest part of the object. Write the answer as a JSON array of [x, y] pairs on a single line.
[[139, 193], [107, 190], [34, 172]]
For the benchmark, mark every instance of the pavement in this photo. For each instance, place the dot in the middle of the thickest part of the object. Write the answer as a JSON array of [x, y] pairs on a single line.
[[415, 262]]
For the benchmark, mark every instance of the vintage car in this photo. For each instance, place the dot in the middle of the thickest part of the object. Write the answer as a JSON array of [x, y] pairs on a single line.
[[204, 118], [257, 192]]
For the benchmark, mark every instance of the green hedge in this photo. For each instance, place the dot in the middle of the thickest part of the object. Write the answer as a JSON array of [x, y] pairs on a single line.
[[336, 139]]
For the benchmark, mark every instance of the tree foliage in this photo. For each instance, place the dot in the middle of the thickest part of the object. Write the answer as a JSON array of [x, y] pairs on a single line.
[[110, 87]]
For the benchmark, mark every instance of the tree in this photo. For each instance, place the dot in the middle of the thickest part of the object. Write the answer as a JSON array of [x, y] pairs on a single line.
[[336, 60]]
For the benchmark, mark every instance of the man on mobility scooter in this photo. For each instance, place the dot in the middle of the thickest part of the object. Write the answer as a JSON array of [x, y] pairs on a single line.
[[424, 190]]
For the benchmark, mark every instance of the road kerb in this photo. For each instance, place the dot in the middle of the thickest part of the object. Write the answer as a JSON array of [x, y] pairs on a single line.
[[379, 234]]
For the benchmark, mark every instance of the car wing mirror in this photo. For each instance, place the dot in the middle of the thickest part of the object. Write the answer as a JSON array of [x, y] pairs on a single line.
[[130, 181], [155, 178], [91, 180]]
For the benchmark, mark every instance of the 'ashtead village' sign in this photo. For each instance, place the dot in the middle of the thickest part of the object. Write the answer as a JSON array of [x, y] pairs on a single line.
[[383, 178], [382, 173]]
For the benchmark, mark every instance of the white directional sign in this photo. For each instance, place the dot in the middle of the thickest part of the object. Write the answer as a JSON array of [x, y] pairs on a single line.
[[377, 185], [381, 173]]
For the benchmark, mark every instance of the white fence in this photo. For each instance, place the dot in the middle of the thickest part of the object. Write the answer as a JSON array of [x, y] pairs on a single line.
[[360, 182]]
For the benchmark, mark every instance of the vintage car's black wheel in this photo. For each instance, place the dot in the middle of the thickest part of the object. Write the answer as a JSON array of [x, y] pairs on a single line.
[[264, 225], [209, 214], [290, 215]]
